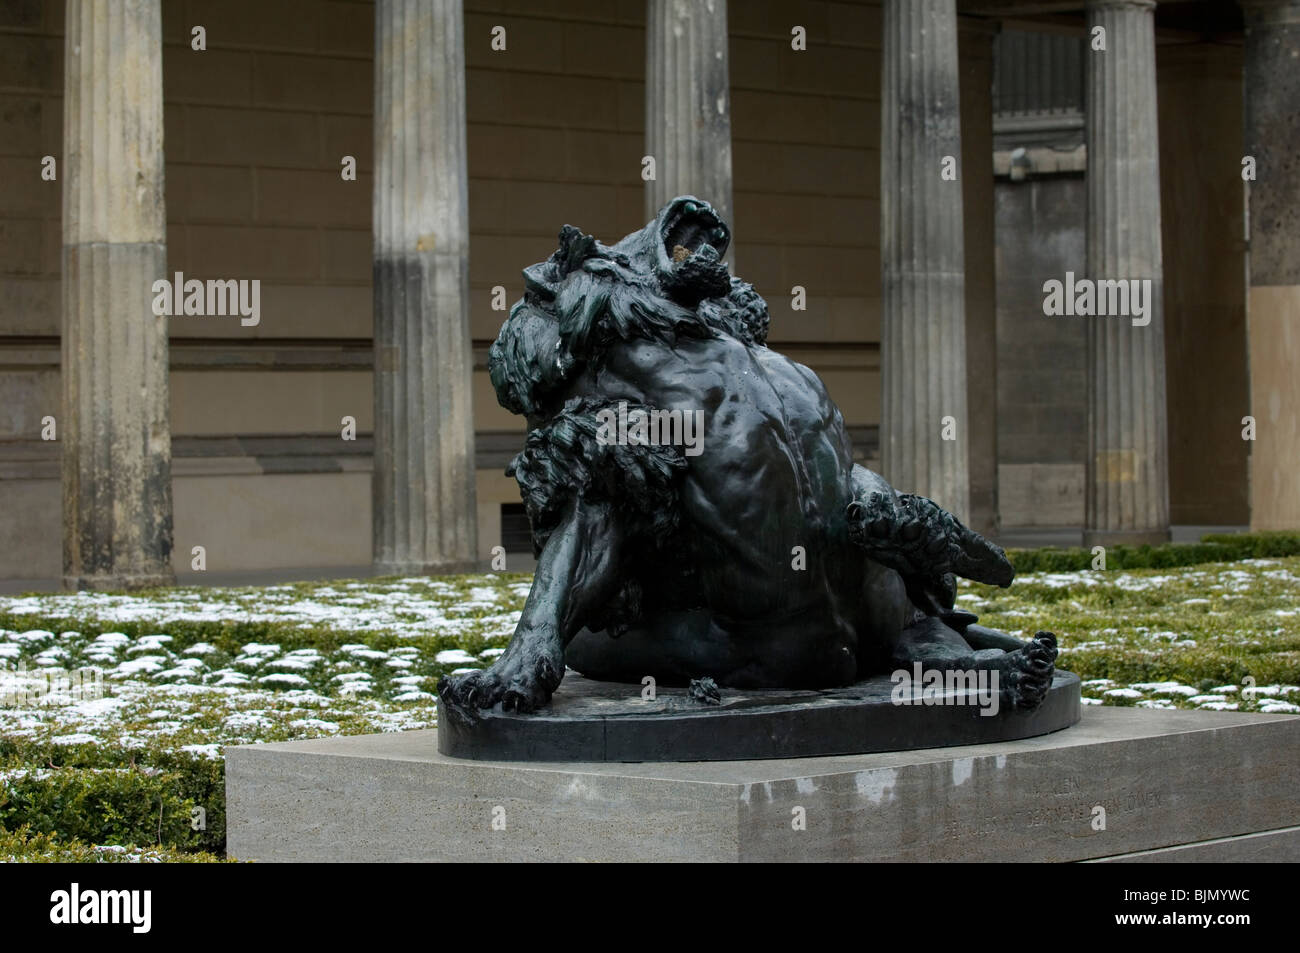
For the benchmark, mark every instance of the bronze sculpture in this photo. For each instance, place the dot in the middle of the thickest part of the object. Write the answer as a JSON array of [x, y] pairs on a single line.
[[754, 553]]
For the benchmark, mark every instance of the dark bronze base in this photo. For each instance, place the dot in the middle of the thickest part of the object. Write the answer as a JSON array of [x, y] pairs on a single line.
[[610, 721]]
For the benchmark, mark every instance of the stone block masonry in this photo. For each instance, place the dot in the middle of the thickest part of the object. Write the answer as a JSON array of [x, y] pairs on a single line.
[[1178, 785]]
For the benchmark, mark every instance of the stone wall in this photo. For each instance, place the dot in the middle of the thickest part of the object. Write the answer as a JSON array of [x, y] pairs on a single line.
[[1042, 389], [256, 127]]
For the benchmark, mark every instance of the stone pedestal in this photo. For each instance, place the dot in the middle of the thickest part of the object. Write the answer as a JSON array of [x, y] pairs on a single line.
[[1174, 785], [423, 484], [1126, 491], [688, 105], [1273, 306], [924, 441], [115, 429]]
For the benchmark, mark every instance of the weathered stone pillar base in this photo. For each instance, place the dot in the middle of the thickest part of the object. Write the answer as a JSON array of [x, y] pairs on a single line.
[[1092, 537], [117, 447], [446, 568], [1099, 537], [424, 481]]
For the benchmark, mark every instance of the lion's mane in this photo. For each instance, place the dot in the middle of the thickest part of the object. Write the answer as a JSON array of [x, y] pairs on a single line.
[[587, 296]]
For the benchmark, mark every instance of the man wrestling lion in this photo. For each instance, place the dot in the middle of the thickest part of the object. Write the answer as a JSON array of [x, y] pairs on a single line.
[[760, 557]]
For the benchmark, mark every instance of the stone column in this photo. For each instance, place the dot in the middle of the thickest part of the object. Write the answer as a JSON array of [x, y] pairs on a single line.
[[688, 104], [1273, 304], [425, 514], [117, 493], [925, 443], [1126, 490]]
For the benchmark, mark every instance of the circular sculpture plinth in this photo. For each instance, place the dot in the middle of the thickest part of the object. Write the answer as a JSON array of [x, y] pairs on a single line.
[[610, 721]]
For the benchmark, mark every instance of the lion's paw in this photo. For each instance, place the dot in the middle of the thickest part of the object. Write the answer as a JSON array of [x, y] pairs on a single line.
[[519, 681], [1029, 671]]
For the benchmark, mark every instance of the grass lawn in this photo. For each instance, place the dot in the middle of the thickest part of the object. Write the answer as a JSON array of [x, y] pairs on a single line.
[[137, 774]]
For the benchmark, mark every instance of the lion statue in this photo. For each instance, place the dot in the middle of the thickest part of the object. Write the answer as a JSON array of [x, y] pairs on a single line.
[[672, 467]]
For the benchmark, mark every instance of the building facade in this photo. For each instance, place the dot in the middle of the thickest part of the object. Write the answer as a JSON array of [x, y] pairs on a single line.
[[913, 170]]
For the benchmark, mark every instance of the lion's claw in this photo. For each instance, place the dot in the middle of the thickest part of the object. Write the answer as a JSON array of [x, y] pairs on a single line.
[[520, 681], [1030, 674]]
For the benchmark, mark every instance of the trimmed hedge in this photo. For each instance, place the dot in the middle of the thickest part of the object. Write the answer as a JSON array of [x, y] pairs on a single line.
[[126, 793], [112, 806], [27, 846], [1213, 548]]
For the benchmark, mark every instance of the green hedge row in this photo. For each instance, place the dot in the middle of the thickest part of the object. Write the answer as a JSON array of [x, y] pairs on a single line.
[[27, 846], [126, 806], [1214, 548], [144, 798]]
